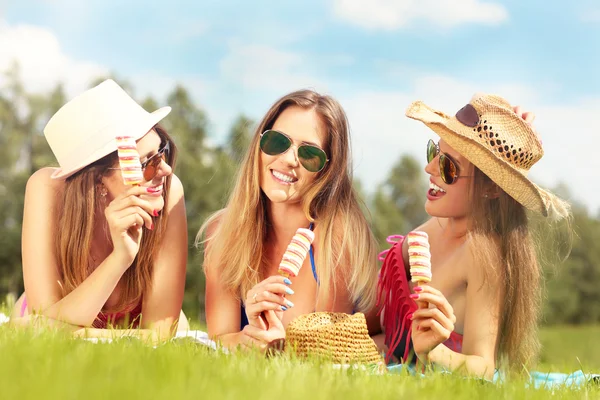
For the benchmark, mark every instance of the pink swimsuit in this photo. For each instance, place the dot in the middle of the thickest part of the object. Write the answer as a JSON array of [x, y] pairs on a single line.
[[393, 292]]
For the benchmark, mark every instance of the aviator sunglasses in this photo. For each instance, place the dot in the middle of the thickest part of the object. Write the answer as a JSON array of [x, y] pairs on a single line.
[[311, 157], [448, 167]]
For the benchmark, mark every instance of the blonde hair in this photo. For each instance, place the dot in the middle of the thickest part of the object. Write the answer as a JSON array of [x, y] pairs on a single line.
[[81, 203], [503, 244], [236, 247]]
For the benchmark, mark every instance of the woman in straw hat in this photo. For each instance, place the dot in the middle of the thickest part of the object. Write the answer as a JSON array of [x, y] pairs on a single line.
[[296, 174], [97, 252], [484, 297]]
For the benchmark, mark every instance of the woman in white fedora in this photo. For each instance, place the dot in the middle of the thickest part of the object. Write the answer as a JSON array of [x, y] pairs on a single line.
[[98, 253], [484, 297]]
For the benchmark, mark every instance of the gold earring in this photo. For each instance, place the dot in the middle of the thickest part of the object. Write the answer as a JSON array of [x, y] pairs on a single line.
[[103, 191]]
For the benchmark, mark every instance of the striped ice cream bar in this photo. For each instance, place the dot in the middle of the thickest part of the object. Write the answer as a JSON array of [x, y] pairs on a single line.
[[129, 161], [419, 256], [296, 252]]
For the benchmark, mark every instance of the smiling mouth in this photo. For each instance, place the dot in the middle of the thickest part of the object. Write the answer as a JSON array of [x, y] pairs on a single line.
[[155, 189], [435, 190], [283, 178]]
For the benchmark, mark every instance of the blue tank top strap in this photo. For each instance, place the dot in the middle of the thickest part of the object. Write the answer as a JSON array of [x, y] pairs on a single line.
[[244, 318], [312, 257]]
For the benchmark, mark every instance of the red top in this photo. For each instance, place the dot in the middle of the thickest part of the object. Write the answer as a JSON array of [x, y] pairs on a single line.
[[104, 319], [392, 296]]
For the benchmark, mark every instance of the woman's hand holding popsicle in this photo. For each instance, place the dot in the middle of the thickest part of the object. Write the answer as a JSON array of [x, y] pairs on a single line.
[[126, 215], [267, 295], [431, 326]]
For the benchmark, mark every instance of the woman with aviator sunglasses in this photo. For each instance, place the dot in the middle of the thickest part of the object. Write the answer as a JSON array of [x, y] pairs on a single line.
[[296, 174], [96, 252], [482, 304]]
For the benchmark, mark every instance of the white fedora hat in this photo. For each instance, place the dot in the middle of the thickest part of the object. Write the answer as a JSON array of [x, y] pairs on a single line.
[[84, 129]]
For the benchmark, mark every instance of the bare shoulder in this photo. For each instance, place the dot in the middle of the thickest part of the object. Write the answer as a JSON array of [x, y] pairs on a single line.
[[42, 180], [42, 190], [481, 257], [213, 222], [207, 233]]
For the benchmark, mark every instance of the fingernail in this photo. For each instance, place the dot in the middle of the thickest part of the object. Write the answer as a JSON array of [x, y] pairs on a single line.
[[155, 213], [151, 227], [410, 316], [418, 289], [283, 308], [414, 296], [289, 291], [289, 303], [150, 190], [287, 281]]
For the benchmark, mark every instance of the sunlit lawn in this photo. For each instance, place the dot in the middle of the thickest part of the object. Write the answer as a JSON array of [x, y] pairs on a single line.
[[54, 366]]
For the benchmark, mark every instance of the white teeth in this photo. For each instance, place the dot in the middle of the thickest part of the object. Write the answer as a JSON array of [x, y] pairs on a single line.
[[283, 177], [436, 187]]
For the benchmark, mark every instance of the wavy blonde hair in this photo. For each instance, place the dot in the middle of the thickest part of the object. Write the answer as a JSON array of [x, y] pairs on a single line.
[[81, 204], [504, 245], [236, 247]]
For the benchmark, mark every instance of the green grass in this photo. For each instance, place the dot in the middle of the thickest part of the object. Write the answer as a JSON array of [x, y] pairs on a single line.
[[51, 365], [569, 348]]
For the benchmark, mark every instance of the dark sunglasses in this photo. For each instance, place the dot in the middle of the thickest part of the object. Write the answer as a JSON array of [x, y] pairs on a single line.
[[448, 167], [151, 165], [311, 157]]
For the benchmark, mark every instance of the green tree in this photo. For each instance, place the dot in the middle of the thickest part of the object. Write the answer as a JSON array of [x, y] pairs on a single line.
[[398, 203], [239, 138], [23, 150]]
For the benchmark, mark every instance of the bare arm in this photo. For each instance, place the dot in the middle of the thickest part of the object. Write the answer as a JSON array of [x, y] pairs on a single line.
[[480, 329], [40, 270], [224, 312], [162, 305], [222, 308]]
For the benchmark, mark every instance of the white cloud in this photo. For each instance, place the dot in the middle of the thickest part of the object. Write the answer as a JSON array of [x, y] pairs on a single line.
[[591, 16], [43, 64], [259, 67], [395, 14], [41, 60]]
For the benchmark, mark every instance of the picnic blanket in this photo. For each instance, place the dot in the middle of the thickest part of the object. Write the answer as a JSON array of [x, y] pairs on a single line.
[[536, 379]]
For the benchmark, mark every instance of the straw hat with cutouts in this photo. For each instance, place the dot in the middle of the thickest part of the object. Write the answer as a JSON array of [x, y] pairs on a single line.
[[489, 134], [337, 337]]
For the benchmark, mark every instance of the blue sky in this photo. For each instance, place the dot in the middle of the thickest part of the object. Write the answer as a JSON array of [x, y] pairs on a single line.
[[374, 56]]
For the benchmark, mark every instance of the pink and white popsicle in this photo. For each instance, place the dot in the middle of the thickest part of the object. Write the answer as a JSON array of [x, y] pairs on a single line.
[[296, 252], [129, 161], [419, 257]]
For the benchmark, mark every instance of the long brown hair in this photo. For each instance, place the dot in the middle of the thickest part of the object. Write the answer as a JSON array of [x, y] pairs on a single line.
[[81, 204], [505, 246], [346, 244]]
